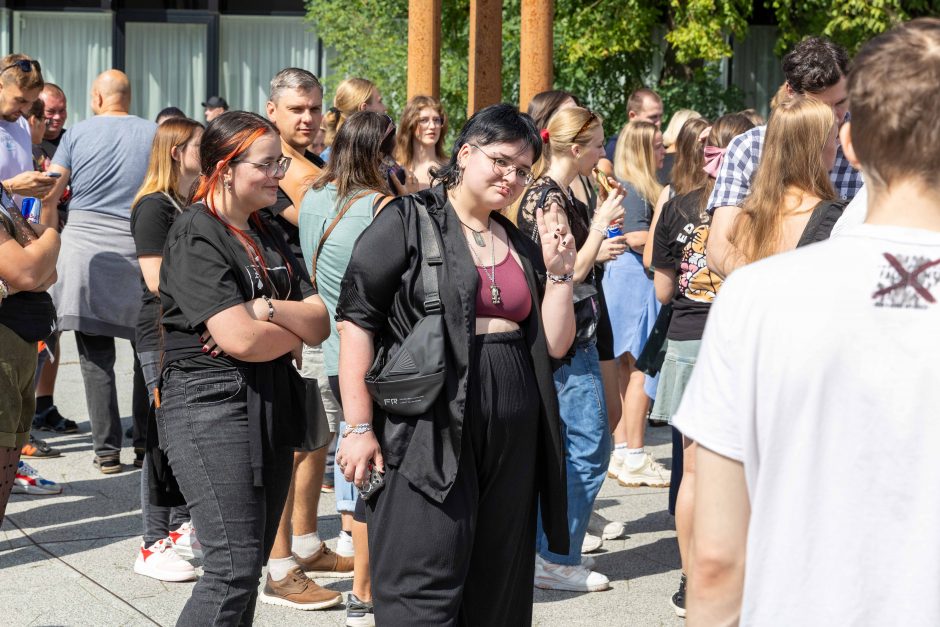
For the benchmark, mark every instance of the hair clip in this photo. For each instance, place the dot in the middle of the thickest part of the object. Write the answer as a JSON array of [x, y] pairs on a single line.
[[545, 135]]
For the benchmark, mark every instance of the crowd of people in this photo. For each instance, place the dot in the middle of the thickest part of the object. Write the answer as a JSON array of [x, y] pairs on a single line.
[[468, 340]]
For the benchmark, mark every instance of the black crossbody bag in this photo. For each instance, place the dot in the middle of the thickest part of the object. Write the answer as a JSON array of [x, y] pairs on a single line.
[[408, 380]]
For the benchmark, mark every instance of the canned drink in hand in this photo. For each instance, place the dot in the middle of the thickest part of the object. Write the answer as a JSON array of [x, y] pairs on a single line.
[[32, 209], [614, 230]]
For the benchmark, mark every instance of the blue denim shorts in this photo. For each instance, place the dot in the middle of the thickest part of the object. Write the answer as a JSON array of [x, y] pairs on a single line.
[[674, 377]]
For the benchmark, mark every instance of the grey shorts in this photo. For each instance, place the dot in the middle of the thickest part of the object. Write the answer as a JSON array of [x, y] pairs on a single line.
[[674, 377], [314, 368]]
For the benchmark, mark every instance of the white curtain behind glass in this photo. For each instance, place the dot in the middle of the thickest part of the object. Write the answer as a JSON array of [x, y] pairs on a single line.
[[73, 48], [254, 49], [166, 64]]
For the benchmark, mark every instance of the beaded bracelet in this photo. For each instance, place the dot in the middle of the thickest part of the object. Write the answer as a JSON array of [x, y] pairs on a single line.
[[560, 278]]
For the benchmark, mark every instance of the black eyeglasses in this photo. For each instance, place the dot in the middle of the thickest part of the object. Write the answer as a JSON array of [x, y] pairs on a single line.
[[272, 169], [24, 65]]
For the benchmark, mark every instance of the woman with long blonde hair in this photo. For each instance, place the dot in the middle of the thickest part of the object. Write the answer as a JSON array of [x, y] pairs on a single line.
[[631, 302], [419, 144], [169, 538], [573, 144], [792, 201], [353, 94], [670, 138]]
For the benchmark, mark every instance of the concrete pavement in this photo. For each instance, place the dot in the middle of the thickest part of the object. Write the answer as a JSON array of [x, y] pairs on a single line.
[[68, 559]]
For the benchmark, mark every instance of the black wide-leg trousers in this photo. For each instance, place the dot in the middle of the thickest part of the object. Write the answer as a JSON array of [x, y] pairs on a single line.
[[469, 560]]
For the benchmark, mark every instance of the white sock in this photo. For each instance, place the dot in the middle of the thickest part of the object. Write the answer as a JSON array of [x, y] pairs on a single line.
[[620, 450], [635, 458], [278, 568], [305, 545]]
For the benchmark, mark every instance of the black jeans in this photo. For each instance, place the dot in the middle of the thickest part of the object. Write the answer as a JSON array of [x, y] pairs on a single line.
[[203, 424], [158, 520], [96, 356]]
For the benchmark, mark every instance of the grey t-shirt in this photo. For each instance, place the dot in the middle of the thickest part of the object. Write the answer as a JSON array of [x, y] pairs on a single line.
[[108, 157]]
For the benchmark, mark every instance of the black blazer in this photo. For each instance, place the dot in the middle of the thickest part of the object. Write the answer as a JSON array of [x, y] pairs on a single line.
[[382, 293]]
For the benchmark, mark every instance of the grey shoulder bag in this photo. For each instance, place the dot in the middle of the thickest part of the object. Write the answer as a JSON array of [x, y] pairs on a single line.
[[408, 380]]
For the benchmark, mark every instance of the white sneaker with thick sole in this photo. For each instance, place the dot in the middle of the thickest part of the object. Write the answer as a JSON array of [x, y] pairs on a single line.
[[161, 562], [606, 529], [615, 466], [344, 544], [651, 473], [28, 481], [591, 543], [185, 542], [549, 576]]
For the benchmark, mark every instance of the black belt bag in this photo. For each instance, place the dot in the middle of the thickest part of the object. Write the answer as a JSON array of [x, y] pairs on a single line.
[[408, 380]]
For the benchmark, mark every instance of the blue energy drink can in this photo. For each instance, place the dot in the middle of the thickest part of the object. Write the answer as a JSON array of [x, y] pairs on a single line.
[[31, 208], [614, 231]]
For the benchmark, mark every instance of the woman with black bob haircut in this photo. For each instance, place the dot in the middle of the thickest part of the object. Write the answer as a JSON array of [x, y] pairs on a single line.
[[467, 472], [236, 304]]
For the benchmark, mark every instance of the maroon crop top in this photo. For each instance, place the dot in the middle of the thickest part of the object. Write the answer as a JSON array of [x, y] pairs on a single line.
[[514, 292]]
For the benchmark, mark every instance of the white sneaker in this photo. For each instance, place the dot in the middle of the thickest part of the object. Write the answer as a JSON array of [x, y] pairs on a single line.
[[185, 542], [651, 473], [616, 465], [588, 562], [606, 529], [161, 562], [591, 543], [344, 544], [549, 576], [28, 481]]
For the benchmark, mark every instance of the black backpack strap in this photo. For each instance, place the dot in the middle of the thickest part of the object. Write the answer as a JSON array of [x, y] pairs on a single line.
[[430, 257]]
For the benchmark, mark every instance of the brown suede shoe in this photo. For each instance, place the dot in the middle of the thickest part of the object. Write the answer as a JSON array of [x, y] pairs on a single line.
[[326, 563], [296, 590]]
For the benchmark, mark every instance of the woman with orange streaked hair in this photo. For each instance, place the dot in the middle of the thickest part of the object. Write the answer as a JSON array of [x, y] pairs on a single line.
[[236, 305]]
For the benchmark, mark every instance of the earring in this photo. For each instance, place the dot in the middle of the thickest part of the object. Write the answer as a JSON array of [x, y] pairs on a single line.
[[227, 185]]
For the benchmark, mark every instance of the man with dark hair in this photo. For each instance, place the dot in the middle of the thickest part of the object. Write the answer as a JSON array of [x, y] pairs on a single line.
[[817, 67], [803, 400], [295, 106], [214, 107], [643, 105], [168, 113]]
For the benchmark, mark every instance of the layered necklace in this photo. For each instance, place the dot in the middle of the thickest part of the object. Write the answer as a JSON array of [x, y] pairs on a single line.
[[495, 294]]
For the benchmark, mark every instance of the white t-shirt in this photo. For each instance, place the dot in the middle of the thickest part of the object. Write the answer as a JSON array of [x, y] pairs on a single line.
[[854, 214], [819, 372], [16, 149]]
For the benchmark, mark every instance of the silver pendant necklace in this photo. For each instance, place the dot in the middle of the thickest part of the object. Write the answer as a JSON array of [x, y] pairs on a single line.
[[478, 235], [495, 294]]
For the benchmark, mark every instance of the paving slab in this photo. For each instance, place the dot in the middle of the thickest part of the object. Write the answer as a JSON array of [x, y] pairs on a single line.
[[78, 548]]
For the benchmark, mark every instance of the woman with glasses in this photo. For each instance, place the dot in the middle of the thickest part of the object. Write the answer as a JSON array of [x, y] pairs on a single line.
[[452, 532], [420, 143], [169, 538], [236, 304], [574, 142]]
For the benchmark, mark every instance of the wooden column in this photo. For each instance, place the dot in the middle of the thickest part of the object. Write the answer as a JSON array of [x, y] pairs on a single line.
[[486, 54], [535, 58], [424, 48]]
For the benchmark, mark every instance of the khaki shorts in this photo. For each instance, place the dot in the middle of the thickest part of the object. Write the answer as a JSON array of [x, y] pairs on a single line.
[[17, 396], [314, 368]]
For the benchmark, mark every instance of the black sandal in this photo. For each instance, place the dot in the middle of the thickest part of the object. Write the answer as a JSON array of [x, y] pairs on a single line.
[[52, 420]]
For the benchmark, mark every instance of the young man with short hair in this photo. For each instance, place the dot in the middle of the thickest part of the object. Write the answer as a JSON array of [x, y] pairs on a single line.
[[804, 400], [817, 67], [643, 105]]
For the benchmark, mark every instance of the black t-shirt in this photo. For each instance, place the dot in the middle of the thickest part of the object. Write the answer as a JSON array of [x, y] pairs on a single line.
[[206, 270], [679, 245], [273, 213], [151, 219], [664, 174]]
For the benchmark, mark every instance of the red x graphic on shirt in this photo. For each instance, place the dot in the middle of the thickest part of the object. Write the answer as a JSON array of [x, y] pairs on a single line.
[[908, 279]]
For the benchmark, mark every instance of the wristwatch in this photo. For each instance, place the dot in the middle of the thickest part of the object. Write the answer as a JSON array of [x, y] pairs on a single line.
[[357, 429]]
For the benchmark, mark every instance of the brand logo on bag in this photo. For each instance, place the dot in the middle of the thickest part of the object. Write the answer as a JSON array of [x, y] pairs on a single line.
[[404, 401]]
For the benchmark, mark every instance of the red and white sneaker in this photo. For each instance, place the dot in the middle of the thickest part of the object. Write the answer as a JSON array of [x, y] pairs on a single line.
[[28, 481], [161, 562], [185, 542]]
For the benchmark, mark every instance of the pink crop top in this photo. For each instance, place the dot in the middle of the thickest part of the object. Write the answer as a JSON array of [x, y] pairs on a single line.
[[514, 292]]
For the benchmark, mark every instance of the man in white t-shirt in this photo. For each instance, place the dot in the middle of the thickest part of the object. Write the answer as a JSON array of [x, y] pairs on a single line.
[[814, 399]]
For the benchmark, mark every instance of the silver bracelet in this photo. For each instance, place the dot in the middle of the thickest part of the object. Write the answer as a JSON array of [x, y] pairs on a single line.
[[559, 278], [4, 289], [357, 429], [599, 230], [267, 299]]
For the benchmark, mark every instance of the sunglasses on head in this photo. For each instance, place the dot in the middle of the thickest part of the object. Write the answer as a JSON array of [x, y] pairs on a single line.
[[24, 65]]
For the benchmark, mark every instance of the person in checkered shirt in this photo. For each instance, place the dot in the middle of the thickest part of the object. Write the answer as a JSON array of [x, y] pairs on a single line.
[[818, 67]]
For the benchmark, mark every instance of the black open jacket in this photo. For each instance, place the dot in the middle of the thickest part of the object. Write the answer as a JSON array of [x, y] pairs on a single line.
[[382, 293]]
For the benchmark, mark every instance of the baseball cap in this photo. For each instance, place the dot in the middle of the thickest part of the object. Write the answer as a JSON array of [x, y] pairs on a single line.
[[214, 102]]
